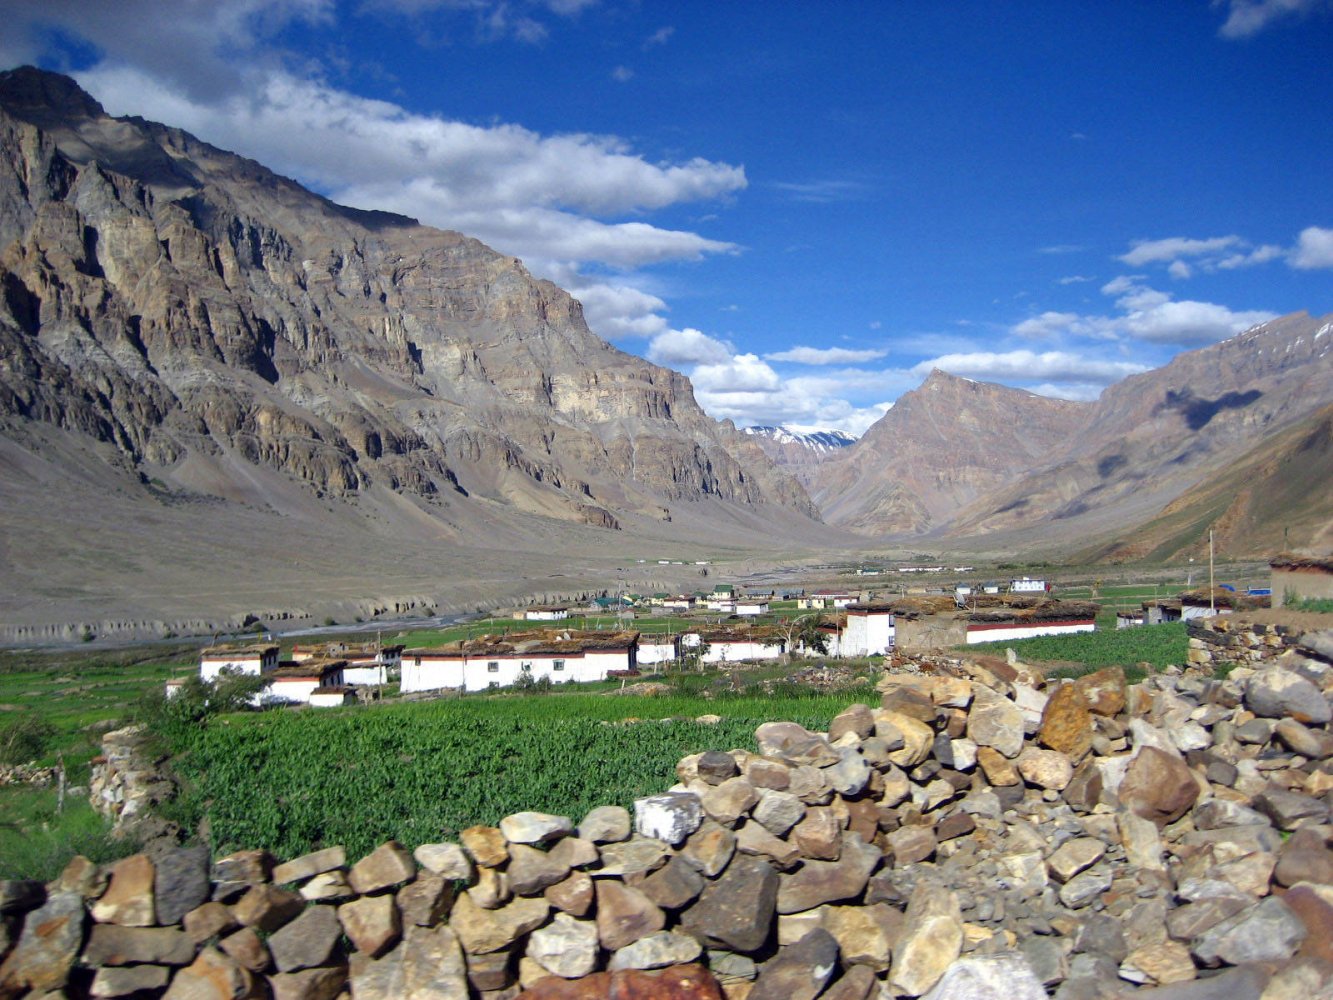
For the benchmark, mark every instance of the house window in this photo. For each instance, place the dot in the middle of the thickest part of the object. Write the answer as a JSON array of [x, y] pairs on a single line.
[[558, 665], [493, 667], [417, 660], [526, 666]]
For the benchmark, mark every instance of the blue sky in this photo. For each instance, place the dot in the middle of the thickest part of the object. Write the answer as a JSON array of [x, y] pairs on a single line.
[[805, 207]]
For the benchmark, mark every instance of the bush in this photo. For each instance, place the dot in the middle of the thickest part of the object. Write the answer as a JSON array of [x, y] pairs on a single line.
[[196, 700], [24, 737]]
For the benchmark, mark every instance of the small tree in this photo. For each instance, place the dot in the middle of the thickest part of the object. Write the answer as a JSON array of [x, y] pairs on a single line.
[[24, 737]]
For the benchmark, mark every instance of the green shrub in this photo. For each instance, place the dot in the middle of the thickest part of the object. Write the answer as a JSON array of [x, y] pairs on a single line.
[[24, 736]]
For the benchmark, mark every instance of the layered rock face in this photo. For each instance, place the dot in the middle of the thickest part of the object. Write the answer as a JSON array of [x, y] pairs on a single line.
[[199, 313]]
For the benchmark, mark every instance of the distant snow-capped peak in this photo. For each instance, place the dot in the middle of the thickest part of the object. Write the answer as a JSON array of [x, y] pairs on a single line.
[[815, 440]]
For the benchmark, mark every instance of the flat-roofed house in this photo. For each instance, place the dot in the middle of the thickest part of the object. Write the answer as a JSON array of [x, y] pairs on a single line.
[[869, 630], [658, 649], [254, 659], [1301, 577], [293, 683], [751, 606], [368, 663], [545, 613], [1027, 585], [499, 661], [825, 600], [727, 646]]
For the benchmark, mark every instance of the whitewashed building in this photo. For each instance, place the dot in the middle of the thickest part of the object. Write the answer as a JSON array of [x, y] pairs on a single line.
[[1027, 585], [545, 613], [368, 664], [750, 607], [655, 650], [294, 683], [869, 630], [1026, 628], [733, 647], [478, 664], [254, 659]]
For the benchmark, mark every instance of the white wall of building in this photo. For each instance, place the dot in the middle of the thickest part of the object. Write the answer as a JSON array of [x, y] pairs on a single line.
[[867, 634], [1008, 633], [430, 673], [734, 652]]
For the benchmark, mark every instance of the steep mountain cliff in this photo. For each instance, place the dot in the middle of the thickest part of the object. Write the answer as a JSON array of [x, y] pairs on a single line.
[[203, 315], [940, 447]]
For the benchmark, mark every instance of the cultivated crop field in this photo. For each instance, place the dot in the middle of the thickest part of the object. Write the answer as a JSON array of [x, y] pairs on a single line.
[[294, 781], [1157, 645]]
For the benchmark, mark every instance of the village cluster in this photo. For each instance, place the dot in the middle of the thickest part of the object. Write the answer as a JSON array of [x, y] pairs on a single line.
[[737, 627]]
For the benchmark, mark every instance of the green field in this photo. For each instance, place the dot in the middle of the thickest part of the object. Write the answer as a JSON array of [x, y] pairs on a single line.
[[419, 772], [1156, 645]]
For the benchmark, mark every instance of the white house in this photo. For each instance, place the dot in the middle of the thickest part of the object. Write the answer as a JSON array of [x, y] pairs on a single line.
[[478, 664], [682, 603], [733, 647], [545, 613], [751, 606], [823, 600], [368, 664], [658, 649], [255, 659], [725, 605], [1027, 585], [869, 630], [293, 683]]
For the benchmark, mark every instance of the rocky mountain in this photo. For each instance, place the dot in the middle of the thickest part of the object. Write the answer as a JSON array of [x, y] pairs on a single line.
[[1155, 440], [180, 315], [942, 446], [190, 306], [1256, 504]]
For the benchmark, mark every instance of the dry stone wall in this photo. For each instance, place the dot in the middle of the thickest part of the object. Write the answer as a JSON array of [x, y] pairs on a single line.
[[980, 834]]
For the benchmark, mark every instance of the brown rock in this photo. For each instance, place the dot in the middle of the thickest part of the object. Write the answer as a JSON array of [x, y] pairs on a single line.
[[625, 914], [911, 844], [81, 876], [573, 896], [491, 888], [753, 839], [128, 900], [247, 950], [997, 768], [113, 944], [855, 984], [426, 901], [46, 950], [931, 939], [212, 976], [819, 834], [372, 923], [865, 934], [386, 866], [817, 882], [129, 980], [1158, 786], [765, 773], [481, 931], [858, 719], [709, 848], [680, 982], [308, 984], [729, 800], [490, 972], [267, 907], [1316, 914], [208, 921], [1104, 691], [486, 844], [315, 863], [1066, 723], [307, 941], [908, 701], [530, 870]]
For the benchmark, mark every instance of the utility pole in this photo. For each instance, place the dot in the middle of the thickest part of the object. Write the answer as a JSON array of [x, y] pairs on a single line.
[[1212, 594]]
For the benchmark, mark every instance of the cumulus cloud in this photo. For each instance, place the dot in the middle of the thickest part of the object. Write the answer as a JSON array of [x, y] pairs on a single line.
[[682, 348], [1314, 249], [616, 311], [825, 355], [622, 74], [1055, 366], [1249, 17], [1172, 248]]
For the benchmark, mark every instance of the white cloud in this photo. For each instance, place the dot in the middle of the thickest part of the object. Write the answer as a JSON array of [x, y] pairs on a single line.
[[1161, 251], [825, 355], [659, 37], [1074, 279], [1249, 17], [622, 74], [615, 311], [542, 198], [680, 348], [1191, 324], [1057, 325], [1056, 366], [1314, 249]]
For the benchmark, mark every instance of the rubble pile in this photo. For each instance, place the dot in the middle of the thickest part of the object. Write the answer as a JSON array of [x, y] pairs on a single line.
[[980, 834]]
